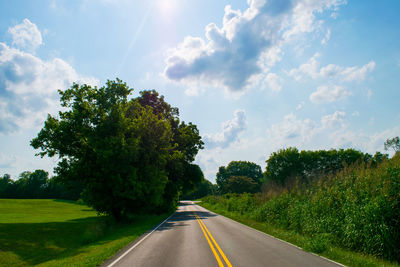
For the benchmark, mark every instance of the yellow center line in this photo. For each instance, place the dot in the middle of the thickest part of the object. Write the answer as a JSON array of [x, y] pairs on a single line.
[[216, 244], [210, 244], [203, 226]]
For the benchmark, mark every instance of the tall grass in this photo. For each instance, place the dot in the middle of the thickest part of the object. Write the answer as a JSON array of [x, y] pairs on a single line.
[[358, 208]]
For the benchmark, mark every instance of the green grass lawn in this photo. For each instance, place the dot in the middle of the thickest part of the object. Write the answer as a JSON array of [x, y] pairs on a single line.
[[47, 232]]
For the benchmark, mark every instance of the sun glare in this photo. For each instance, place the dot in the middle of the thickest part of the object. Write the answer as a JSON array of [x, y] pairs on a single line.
[[167, 8]]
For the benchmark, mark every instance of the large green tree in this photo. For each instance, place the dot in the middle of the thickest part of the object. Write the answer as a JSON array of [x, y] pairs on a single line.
[[119, 149], [248, 177], [186, 140]]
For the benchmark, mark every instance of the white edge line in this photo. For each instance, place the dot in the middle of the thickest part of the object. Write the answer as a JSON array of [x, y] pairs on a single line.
[[130, 249], [274, 237]]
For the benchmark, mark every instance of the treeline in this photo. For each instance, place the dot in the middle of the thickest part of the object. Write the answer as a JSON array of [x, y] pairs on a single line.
[[199, 190], [37, 184], [287, 165]]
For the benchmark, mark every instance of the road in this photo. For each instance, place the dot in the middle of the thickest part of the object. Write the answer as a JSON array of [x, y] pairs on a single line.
[[194, 236]]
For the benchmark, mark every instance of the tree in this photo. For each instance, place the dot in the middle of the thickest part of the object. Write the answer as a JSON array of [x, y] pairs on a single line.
[[238, 169], [186, 140], [393, 143], [120, 150], [202, 189], [283, 164], [6, 185], [36, 184], [241, 184], [290, 163]]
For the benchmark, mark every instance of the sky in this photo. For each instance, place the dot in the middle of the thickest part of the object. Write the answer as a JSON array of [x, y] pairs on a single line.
[[255, 76]]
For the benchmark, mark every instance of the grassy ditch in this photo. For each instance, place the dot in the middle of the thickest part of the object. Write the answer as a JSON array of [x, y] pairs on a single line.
[[352, 217], [62, 233]]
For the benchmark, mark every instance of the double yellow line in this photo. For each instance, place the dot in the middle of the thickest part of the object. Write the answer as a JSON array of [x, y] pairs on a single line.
[[208, 235]]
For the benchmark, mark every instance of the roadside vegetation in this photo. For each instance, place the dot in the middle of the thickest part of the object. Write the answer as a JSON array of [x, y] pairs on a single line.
[[342, 204], [45, 232]]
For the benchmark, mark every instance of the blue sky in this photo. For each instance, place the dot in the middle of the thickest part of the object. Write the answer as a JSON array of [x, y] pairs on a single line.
[[254, 76]]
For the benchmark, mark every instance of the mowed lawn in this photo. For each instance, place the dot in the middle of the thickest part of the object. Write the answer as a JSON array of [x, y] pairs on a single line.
[[48, 232]]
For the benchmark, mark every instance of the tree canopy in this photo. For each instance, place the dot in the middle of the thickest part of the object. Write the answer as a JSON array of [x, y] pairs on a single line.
[[132, 156], [290, 163], [239, 177]]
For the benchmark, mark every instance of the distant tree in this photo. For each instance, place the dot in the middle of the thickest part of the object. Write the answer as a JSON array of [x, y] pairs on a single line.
[[241, 169], [21, 185], [290, 163], [202, 189], [130, 156], [242, 184], [284, 164], [37, 183], [393, 143], [6, 186]]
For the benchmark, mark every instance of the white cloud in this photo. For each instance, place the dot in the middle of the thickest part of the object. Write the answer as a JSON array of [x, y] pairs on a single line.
[[300, 105], [327, 94], [333, 120], [26, 35], [274, 82], [333, 131], [349, 73], [331, 71], [28, 87], [327, 37], [209, 163], [248, 42], [291, 128], [230, 132], [310, 68]]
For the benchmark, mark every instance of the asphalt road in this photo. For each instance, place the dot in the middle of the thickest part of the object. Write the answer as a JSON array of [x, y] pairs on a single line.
[[194, 236]]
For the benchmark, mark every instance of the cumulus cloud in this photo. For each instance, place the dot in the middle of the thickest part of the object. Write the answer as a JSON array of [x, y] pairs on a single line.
[[230, 132], [310, 68], [329, 94], [26, 35], [331, 71], [274, 82], [331, 131], [333, 120], [292, 128], [28, 87], [235, 55]]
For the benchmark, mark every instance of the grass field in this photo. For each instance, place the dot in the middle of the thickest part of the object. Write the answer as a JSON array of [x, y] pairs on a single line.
[[44, 232]]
